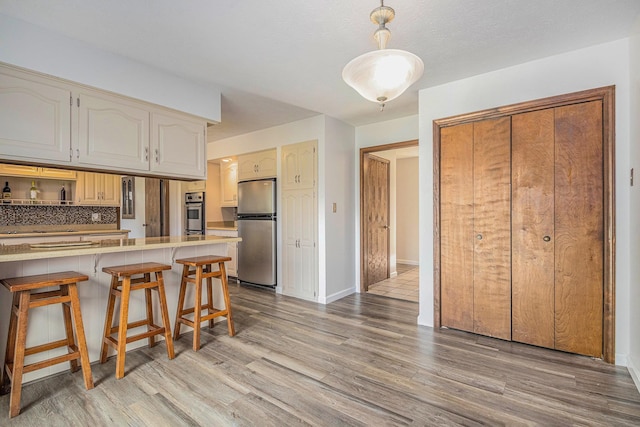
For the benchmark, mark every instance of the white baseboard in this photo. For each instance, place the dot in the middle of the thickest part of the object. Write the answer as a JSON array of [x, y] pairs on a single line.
[[635, 373], [335, 297], [407, 261], [393, 274]]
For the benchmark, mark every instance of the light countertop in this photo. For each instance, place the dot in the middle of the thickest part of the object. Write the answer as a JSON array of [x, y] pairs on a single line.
[[222, 225], [25, 252]]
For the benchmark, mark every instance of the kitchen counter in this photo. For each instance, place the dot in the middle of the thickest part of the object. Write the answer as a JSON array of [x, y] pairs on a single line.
[[20, 260], [26, 252], [222, 225]]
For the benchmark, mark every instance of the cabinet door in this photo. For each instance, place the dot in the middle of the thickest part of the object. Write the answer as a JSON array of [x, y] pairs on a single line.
[[19, 170], [247, 167], [307, 165], [229, 184], [266, 164], [88, 188], [232, 266], [112, 132], [177, 146], [35, 119], [289, 175], [110, 190], [57, 173]]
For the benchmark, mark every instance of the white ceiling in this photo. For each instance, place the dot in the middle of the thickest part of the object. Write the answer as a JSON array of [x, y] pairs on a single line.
[[280, 61]]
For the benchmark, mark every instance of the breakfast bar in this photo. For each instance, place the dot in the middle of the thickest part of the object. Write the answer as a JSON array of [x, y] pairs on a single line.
[[89, 257]]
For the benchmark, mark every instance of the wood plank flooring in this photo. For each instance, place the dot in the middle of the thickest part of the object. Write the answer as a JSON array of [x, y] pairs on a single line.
[[361, 360]]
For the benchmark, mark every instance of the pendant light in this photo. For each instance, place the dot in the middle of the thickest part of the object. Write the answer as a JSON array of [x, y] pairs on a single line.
[[384, 74]]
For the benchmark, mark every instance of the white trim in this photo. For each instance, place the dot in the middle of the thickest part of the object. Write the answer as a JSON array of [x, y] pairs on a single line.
[[336, 296], [635, 373]]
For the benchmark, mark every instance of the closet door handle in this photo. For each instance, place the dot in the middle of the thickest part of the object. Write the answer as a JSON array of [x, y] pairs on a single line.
[[479, 237], [547, 238]]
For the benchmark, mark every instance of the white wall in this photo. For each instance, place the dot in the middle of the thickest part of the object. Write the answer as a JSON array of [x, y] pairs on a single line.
[[634, 291], [36, 48], [338, 177], [212, 197], [387, 132], [597, 66], [335, 183], [407, 214]]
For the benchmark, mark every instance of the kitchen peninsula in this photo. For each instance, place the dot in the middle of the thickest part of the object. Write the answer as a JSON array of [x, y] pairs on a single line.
[[89, 258]]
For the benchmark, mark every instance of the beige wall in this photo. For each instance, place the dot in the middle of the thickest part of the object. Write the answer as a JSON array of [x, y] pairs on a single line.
[[407, 218]]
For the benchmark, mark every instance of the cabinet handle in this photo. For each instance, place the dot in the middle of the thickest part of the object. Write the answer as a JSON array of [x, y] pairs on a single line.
[[146, 154], [77, 153], [157, 155], [479, 237], [546, 238]]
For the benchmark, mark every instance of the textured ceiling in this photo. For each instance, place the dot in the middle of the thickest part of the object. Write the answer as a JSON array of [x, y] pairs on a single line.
[[279, 61]]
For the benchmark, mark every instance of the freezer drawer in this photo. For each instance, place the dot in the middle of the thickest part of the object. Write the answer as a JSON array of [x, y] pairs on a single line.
[[257, 251]]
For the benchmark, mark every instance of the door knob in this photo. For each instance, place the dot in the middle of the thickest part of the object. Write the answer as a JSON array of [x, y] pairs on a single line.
[[386, 227], [479, 237], [546, 238]]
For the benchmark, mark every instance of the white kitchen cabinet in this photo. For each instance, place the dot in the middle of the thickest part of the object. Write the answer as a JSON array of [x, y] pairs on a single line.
[[299, 231], [262, 164], [36, 172], [46, 120], [111, 131], [229, 184], [298, 166], [232, 250], [190, 186], [177, 145], [97, 189], [35, 117]]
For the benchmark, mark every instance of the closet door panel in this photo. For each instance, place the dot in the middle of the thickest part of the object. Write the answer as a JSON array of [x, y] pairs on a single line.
[[579, 226], [492, 228], [456, 225], [532, 223]]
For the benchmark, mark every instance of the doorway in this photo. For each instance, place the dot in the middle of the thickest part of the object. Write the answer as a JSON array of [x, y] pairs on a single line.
[[156, 207], [389, 220]]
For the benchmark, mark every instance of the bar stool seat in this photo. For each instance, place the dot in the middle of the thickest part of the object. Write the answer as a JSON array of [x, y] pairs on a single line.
[[122, 284], [194, 271], [24, 300]]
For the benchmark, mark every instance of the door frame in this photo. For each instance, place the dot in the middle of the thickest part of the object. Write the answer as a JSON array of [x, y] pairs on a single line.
[[607, 96], [364, 151]]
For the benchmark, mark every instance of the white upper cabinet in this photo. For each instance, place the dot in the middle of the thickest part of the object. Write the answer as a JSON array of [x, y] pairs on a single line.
[[35, 117], [111, 131], [45, 120], [177, 146], [262, 164], [299, 165]]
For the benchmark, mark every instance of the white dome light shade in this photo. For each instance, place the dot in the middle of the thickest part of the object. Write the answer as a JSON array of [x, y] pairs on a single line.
[[382, 75]]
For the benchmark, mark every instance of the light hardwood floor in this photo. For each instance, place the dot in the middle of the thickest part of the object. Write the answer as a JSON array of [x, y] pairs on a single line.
[[361, 360]]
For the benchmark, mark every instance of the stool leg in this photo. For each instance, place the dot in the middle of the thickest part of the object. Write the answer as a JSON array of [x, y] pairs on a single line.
[[68, 326], [122, 327], [82, 342], [165, 315], [210, 296], [183, 290], [18, 354], [227, 300], [108, 319], [197, 309], [149, 303], [11, 342]]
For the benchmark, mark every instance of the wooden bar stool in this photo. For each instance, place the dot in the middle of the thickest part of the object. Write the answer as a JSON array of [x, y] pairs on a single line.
[[23, 301], [122, 284], [203, 270]]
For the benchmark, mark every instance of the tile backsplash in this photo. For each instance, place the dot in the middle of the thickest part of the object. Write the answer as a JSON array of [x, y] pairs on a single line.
[[22, 215]]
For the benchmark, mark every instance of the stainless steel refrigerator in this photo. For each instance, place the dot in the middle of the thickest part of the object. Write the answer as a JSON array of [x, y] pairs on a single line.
[[257, 227]]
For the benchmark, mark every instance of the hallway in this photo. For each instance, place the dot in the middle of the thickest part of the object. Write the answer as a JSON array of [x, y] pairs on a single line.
[[404, 286]]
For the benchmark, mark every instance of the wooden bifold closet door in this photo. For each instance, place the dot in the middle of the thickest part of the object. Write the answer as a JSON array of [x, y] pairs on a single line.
[[522, 227]]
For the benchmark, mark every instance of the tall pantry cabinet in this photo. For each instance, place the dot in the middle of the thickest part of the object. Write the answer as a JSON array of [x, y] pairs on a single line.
[[525, 223]]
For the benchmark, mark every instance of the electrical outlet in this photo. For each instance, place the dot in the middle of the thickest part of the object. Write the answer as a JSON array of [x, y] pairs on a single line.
[[95, 216]]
